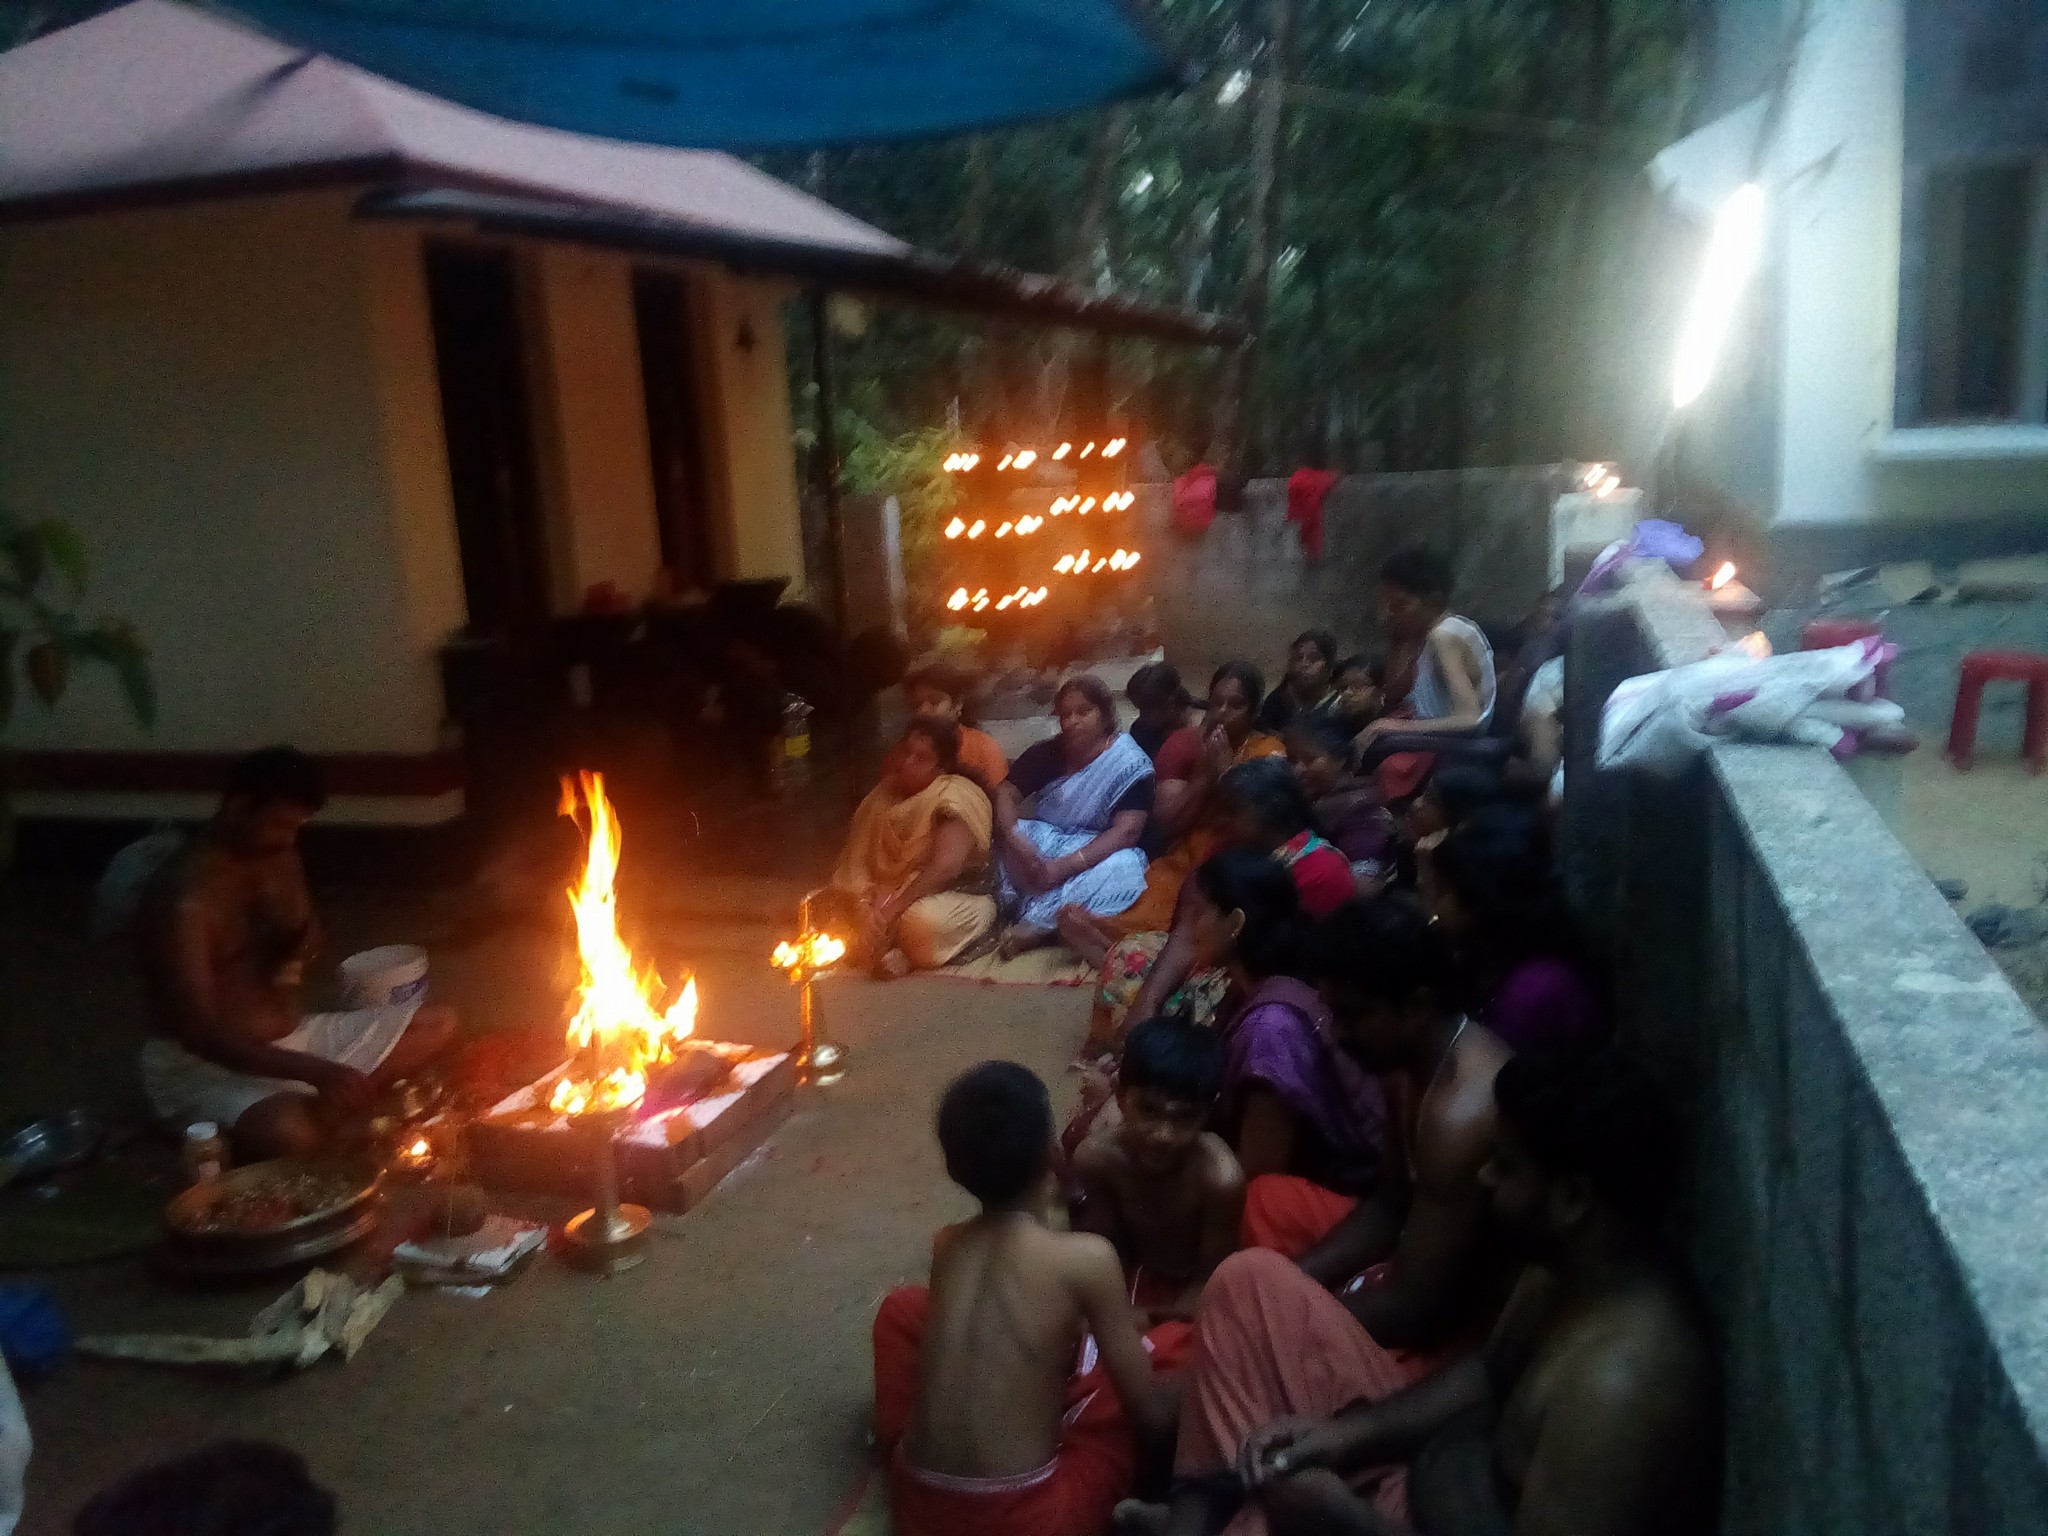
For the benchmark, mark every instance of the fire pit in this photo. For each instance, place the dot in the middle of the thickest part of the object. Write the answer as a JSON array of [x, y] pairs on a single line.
[[643, 1110]]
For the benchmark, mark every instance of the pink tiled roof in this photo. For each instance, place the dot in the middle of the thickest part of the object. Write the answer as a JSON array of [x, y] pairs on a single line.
[[157, 95]]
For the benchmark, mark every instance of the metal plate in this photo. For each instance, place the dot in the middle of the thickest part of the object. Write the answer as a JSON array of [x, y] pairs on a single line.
[[186, 1207], [199, 1259]]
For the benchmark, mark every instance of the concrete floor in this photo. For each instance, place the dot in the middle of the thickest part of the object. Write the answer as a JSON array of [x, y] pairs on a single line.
[[721, 1388]]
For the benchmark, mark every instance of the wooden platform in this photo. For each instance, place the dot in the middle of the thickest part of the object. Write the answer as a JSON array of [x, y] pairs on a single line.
[[668, 1161]]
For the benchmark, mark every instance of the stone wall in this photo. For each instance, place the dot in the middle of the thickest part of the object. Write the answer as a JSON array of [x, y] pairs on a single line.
[[1866, 1101], [1245, 588]]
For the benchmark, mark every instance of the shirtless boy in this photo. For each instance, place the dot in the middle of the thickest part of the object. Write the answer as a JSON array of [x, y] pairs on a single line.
[[1439, 1270], [994, 1420], [1594, 1411], [226, 927], [1166, 1192]]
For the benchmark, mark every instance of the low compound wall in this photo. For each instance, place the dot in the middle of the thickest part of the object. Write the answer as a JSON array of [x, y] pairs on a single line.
[[1867, 1105], [1245, 588]]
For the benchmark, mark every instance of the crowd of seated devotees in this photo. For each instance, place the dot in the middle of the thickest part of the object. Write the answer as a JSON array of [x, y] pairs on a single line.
[[1358, 1225]]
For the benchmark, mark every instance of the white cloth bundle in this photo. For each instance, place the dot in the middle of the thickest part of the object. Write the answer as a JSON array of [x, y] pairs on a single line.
[[1660, 722]]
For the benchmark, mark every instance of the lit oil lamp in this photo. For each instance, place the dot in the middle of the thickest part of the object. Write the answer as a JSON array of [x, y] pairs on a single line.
[[822, 1061], [1728, 597], [415, 1158]]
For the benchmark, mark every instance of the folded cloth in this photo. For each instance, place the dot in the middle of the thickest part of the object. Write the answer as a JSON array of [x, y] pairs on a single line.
[[1074, 1494], [184, 1088]]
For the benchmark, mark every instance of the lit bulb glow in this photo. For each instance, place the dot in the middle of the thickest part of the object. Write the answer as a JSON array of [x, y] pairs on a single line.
[[1004, 531], [1063, 450], [1027, 458], [1088, 450], [975, 531], [1064, 564], [1008, 460], [1735, 248], [1112, 448], [958, 600], [1098, 565], [955, 528]]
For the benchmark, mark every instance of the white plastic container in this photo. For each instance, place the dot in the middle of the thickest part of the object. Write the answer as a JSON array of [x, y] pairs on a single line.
[[383, 977]]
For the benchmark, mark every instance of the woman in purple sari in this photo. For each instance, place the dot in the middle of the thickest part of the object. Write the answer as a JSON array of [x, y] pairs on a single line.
[[1492, 892], [1292, 1100]]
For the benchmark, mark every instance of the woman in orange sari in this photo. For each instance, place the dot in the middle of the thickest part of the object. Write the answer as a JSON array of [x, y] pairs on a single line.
[[1189, 821], [914, 878]]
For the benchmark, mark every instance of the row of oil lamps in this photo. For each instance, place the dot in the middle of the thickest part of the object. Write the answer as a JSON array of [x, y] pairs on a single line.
[[1023, 458]]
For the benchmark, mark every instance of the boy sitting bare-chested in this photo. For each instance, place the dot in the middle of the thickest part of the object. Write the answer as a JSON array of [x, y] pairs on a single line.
[[1166, 1192], [993, 1388]]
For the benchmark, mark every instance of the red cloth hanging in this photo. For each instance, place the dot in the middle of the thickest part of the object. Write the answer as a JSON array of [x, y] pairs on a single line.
[[1194, 501], [1306, 489]]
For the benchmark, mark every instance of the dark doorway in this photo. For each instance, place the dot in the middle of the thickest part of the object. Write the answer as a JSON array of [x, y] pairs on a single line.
[[479, 351], [675, 437]]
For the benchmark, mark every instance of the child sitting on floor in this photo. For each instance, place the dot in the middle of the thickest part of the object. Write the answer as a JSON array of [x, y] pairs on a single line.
[[1169, 1194], [990, 1387]]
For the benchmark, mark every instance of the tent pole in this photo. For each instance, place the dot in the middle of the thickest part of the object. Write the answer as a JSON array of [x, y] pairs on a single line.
[[825, 464]]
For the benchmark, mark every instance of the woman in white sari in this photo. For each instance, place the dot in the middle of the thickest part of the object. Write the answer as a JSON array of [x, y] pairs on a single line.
[[1088, 791]]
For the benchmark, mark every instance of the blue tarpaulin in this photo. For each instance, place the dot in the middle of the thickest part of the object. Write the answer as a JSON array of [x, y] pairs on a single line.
[[743, 74]]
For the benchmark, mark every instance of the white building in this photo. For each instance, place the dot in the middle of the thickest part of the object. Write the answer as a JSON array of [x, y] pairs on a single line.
[[1890, 369]]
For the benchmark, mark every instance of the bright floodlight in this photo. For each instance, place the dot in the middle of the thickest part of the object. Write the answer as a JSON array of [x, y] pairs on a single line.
[[1733, 251]]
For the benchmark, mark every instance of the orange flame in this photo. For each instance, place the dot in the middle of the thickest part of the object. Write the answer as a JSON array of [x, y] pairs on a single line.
[[616, 1033], [1722, 577], [815, 952]]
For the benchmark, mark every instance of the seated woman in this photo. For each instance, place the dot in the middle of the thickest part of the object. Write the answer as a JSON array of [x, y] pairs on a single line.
[[914, 878], [940, 692], [1089, 790], [1347, 808], [1490, 889], [1162, 704], [1264, 809], [1307, 687], [1292, 1101], [1187, 823]]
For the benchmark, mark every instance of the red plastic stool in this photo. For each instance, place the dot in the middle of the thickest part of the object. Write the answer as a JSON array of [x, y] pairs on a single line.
[[1831, 634], [1981, 667]]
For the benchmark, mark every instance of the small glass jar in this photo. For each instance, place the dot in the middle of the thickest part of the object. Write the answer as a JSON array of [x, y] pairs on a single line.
[[206, 1152]]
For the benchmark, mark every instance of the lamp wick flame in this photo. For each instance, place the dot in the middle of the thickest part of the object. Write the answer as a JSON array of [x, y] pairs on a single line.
[[1722, 577]]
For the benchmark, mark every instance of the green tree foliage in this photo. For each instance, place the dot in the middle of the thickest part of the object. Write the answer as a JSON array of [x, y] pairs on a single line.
[[1450, 194], [44, 570]]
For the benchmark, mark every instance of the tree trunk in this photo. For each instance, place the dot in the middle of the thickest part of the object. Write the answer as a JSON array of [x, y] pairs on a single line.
[[1236, 404]]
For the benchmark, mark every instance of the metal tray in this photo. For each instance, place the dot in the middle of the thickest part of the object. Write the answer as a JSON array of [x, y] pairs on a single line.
[[186, 1207], [198, 1259]]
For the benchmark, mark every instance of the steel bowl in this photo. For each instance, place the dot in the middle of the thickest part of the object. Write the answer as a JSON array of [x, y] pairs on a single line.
[[50, 1145]]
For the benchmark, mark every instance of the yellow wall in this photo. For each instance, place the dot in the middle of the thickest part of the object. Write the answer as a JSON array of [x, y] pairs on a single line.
[[746, 397], [235, 403], [591, 423], [197, 391]]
